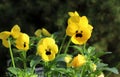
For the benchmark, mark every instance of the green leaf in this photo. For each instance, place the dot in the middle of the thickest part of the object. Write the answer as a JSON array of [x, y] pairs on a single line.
[[101, 65], [60, 57], [61, 70], [78, 48], [91, 49], [101, 53], [14, 71], [113, 69], [36, 60]]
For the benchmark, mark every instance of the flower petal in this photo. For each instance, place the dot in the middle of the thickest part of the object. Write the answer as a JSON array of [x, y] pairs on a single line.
[[83, 21], [85, 35], [73, 13], [38, 32], [45, 32], [22, 42], [15, 31], [71, 29], [4, 35], [78, 61]]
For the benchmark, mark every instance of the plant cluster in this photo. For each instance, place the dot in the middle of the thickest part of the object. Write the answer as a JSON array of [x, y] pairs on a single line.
[[52, 57]]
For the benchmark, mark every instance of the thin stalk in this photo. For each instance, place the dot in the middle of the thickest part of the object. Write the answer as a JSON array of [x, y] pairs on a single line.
[[84, 48], [66, 49], [24, 59], [82, 72], [11, 53], [46, 70], [83, 68], [63, 41]]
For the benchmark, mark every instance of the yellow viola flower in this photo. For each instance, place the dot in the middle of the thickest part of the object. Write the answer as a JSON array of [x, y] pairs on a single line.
[[42, 31], [22, 42], [47, 49], [15, 31], [4, 36], [79, 29], [78, 61]]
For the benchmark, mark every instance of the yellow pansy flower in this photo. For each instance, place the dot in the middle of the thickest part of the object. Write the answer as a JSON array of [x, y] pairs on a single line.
[[42, 31], [15, 31], [79, 29], [4, 36], [47, 49], [78, 61], [22, 42]]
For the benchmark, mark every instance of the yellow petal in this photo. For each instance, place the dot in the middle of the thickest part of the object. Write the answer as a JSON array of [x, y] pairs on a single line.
[[78, 61], [5, 43], [47, 58], [101, 75], [48, 41], [83, 21], [4, 36], [40, 49], [38, 32], [68, 58], [71, 29], [85, 35], [73, 13], [45, 32], [22, 42], [15, 31], [74, 19], [54, 48], [90, 27]]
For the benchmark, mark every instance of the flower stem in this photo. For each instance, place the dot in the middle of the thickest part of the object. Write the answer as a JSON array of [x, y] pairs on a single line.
[[11, 53], [66, 49], [81, 74], [84, 48], [63, 41], [24, 59]]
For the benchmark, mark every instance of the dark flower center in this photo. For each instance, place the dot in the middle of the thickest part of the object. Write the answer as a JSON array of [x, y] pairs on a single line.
[[24, 44], [79, 35], [48, 52]]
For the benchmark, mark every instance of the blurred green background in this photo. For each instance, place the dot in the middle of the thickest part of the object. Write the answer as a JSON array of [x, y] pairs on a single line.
[[30, 15]]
